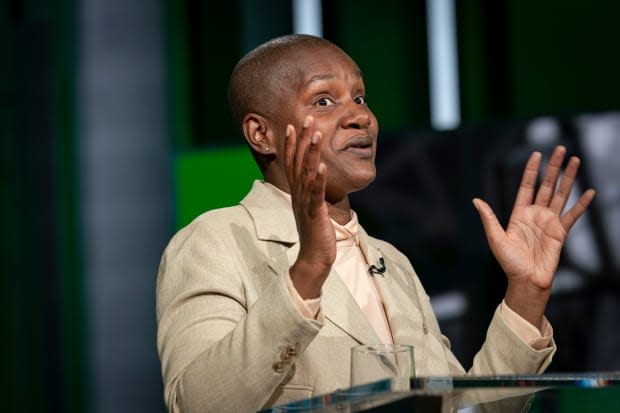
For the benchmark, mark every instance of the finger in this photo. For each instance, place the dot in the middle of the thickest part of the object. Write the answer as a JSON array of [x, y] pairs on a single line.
[[302, 146], [492, 228], [290, 144], [525, 194], [317, 197], [566, 185], [547, 187], [313, 156], [573, 214]]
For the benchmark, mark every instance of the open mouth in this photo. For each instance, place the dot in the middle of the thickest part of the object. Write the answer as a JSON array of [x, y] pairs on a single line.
[[360, 146]]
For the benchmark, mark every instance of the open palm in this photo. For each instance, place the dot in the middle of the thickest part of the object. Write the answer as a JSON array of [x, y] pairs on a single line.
[[529, 249]]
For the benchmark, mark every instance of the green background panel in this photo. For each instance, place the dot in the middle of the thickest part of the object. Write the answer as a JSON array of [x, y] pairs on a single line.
[[564, 57], [590, 400], [209, 179], [389, 45]]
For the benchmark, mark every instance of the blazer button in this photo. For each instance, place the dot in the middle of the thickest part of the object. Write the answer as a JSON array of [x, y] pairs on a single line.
[[293, 349], [278, 366], [290, 351]]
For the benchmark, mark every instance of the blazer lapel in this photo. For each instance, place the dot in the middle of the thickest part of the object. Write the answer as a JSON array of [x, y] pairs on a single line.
[[340, 308], [405, 319], [274, 221], [337, 304], [272, 214]]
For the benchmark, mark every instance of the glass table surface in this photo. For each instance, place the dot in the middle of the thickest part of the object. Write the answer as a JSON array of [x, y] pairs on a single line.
[[564, 393]]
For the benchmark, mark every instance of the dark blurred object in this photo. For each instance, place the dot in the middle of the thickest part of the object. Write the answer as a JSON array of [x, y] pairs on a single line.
[[421, 202]]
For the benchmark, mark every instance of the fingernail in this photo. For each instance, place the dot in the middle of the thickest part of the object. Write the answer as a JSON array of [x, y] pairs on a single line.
[[307, 121], [316, 136], [288, 130]]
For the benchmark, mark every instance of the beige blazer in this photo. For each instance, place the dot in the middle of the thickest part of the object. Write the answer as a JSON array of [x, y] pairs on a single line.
[[230, 339]]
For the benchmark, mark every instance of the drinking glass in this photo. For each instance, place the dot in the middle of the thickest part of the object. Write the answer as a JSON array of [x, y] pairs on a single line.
[[370, 363]]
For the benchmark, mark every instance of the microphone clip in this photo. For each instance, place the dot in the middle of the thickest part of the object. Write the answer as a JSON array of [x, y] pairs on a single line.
[[380, 269]]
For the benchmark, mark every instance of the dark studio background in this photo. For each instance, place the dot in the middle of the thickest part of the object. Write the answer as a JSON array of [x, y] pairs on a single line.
[[114, 132]]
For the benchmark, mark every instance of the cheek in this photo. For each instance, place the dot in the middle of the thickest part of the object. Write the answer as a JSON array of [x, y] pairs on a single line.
[[327, 152], [374, 123], [332, 159]]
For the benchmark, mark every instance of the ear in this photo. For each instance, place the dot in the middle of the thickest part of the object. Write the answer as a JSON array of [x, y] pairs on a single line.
[[256, 129]]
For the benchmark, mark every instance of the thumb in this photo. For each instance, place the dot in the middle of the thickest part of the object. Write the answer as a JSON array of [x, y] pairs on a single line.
[[490, 223]]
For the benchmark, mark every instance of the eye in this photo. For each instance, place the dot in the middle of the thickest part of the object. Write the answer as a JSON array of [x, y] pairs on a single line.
[[360, 100], [324, 102]]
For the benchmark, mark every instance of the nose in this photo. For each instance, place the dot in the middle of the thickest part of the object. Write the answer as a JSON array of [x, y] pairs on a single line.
[[358, 117]]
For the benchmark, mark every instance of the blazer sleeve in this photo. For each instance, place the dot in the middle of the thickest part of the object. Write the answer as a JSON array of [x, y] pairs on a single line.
[[503, 351], [223, 346]]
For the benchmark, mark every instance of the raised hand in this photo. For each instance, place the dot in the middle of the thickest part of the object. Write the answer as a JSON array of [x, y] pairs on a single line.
[[529, 249], [307, 177]]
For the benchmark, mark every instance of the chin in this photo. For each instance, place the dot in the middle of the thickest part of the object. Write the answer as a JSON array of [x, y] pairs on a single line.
[[362, 181], [337, 193]]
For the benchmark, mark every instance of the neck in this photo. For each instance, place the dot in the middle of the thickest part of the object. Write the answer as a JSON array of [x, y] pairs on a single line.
[[276, 179], [340, 211]]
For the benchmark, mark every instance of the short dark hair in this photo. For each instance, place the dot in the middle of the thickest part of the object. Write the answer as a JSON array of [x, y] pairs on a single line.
[[253, 79]]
